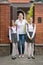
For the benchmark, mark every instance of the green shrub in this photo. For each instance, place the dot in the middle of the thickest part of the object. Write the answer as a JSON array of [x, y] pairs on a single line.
[[30, 13]]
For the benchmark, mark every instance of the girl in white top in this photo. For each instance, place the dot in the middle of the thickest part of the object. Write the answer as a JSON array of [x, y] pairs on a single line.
[[31, 30], [13, 38]]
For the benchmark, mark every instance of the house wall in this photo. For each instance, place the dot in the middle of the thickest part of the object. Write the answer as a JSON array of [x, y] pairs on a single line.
[[39, 26], [4, 22]]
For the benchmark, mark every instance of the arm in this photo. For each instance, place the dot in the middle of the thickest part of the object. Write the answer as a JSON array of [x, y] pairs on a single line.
[[34, 31], [9, 33], [27, 30]]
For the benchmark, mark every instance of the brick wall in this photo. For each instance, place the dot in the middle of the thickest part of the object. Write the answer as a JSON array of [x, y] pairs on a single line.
[[19, 1], [4, 22], [39, 30]]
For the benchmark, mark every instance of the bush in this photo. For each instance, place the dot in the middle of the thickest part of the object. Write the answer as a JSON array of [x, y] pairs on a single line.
[[30, 13]]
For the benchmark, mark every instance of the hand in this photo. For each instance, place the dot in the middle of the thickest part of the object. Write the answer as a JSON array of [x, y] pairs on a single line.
[[11, 41], [30, 38]]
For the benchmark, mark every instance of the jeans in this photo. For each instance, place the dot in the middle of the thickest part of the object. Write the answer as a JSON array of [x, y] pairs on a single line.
[[21, 43]]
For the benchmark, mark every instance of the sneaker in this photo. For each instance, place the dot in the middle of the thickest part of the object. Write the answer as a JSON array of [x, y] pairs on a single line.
[[13, 58], [29, 57], [33, 57], [19, 56], [22, 56]]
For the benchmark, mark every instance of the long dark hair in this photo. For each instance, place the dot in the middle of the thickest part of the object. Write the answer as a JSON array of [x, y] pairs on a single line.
[[19, 13]]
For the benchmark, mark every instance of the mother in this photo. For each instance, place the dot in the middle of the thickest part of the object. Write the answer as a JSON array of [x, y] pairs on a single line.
[[21, 32]]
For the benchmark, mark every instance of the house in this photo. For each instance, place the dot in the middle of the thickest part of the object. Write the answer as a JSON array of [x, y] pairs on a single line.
[[9, 10]]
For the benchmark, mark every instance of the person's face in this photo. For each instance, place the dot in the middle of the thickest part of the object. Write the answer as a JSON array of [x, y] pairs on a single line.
[[20, 16], [31, 20]]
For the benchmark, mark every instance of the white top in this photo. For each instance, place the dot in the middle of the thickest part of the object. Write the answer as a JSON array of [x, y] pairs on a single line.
[[31, 28], [21, 26], [12, 30]]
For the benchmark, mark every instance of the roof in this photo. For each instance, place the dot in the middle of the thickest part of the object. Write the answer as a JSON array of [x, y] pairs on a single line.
[[19, 1], [3, 0]]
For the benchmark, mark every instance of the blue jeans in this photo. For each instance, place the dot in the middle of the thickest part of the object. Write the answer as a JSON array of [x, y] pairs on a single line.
[[21, 42]]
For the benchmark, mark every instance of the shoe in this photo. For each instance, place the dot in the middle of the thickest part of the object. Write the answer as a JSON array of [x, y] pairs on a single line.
[[29, 57], [19, 56], [33, 57], [13, 58], [22, 56]]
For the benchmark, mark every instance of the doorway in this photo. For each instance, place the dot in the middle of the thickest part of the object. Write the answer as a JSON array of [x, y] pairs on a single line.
[[14, 12]]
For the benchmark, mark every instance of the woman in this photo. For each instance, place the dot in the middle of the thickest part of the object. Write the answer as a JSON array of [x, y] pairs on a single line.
[[21, 23], [13, 38], [31, 30]]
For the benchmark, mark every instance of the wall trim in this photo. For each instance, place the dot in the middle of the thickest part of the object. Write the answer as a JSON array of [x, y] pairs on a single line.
[[38, 44], [4, 44], [9, 44]]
